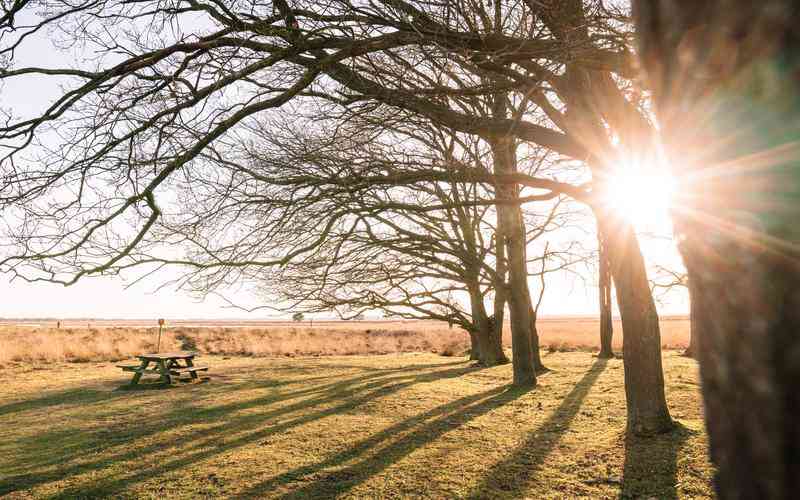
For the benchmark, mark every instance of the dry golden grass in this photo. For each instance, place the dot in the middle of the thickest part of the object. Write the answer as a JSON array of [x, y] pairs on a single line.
[[34, 345], [23, 345], [46, 345], [394, 426], [583, 333]]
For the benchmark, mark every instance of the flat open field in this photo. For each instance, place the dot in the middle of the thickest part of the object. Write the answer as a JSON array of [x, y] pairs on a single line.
[[397, 425], [113, 340]]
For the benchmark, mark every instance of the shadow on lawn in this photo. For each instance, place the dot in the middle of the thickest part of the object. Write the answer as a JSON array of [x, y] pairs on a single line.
[[383, 449], [228, 430], [70, 397], [120, 457], [512, 475], [651, 464], [426, 428]]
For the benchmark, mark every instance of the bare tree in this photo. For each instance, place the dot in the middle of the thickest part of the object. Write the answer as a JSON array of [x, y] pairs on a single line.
[[724, 77], [408, 251], [88, 182], [402, 259]]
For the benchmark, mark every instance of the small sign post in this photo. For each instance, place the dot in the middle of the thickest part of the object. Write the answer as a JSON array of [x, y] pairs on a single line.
[[160, 327]]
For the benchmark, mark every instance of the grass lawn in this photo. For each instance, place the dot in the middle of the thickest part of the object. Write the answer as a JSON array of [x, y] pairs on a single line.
[[358, 426]]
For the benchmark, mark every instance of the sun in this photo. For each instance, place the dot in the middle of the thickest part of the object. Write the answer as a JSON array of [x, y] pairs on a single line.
[[642, 195]]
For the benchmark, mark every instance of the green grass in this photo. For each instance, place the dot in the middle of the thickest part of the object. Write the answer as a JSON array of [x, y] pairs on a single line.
[[361, 426]]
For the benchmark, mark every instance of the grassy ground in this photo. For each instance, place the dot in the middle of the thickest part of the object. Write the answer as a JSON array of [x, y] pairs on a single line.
[[381, 426]]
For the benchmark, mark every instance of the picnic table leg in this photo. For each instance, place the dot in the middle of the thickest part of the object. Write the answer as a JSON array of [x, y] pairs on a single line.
[[190, 363], [138, 374], [162, 367], [173, 363]]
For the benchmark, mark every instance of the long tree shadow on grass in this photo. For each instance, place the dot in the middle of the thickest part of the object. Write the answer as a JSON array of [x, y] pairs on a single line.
[[207, 441], [69, 397], [179, 416], [512, 475], [651, 464], [75, 442], [75, 396], [328, 479]]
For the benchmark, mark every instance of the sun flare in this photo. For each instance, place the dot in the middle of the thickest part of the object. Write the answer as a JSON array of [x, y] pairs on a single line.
[[643, 196]]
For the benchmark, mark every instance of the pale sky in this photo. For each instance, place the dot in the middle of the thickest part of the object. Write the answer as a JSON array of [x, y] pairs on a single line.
[[107, 297]]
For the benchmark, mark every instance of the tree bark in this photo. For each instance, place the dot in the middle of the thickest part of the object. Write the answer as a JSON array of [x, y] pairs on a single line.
[[474, 346], [504, 155], [691, 351], [724, 69], [536, 356], [748, 310], [490, 351], [497, 338], [641, 339], [499, 305], [604, 288], [535, 349], [589, 111]]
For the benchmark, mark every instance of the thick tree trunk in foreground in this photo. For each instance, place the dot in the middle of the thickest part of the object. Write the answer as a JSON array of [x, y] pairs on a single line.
[[748, 310], [691, 350], [604, 287], [724, 69], [504, 155], [694, 328], [641, 338]]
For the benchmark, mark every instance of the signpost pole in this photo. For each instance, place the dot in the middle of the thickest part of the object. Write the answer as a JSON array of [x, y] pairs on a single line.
[[160, 327]]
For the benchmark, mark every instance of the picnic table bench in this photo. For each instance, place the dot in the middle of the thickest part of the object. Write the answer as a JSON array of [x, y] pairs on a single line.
[[166, 365]]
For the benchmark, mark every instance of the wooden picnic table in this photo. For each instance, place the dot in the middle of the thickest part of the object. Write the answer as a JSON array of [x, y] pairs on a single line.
[[166, 365]]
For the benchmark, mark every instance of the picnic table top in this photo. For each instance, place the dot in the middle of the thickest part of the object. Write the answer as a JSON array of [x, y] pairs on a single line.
[[168, 355]]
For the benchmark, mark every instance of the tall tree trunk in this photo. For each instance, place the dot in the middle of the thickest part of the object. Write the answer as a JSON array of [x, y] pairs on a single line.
[[499, 305], [535, 349], [604, 288], [474, 346], [490, 353], [641, 340], [501, 291], [721, 70], [509, 215], [588, 115], [536, 356], [497, 337]]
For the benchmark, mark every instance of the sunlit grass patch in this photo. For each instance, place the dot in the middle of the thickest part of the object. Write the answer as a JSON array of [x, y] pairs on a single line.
[[380, 426]]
